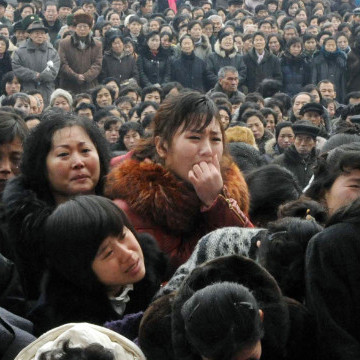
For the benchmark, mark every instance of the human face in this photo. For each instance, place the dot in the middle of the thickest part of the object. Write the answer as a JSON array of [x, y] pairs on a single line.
[[239, 43], [148, 110], [62, 103], [303, 27], [265, 28], [195, 32], [72, 164], [191, 147], [270, 123], [304, 144], [286, 137], [5, 32], [327, 91], [293, 9], [133, 96], [330, 46], [34, 108], [154, 42], [103, 97], [20, 35], [227, 43], [224, 118], [2, 47], [153, 96], [206, 7], [105, 29], [2, 10], [64, 12], [119, 261], [342, 42], [274, 44], [331, 110], [256, 126], [125, 107], [10, 157], [165, 41], [259, 43], [114, 86], [112, 134], [313, 117], [217, 25], [295, 49], [135, 28], [27, 11], [89, 8], [22, 105], [248, 44], [82, 30], [40, 101], [187, 46], [38, 37], [114, 20], [129, 48], [230, 82], [321, 40], [299, 102], [86, 112], [301, 16], [208, 30], [51, 13], [154, 25], [345, 189], [117, 6], [289, 33], [131, 139], [310, 45]]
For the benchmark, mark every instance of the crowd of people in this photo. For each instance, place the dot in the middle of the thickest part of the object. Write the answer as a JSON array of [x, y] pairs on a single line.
[[180, 179]]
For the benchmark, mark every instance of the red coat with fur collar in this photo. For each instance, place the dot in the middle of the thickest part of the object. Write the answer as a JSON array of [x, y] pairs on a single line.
[[159, 203]]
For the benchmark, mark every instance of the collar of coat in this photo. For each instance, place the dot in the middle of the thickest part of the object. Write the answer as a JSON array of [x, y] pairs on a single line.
[[218, 50], [31, 46], [155, 193], [253, 55]]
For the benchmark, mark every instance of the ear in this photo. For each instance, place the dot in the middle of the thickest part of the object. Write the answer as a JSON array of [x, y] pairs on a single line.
[[161, 147], [261, 313]]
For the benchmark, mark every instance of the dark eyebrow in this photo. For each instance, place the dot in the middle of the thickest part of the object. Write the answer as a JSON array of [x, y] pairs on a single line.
[[82, 143], [197, 131]]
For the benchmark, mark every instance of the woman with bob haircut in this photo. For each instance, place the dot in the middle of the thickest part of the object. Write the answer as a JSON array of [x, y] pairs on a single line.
[[102, 96], [114, 275], [333, 256], [178, 181], [63, 156]]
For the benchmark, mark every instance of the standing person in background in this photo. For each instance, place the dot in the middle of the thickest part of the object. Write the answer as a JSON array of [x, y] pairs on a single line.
[[36, 62], [80, 56]]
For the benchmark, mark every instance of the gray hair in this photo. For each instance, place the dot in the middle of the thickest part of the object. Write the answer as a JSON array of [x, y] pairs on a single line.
[[222, 72], [61, 92]]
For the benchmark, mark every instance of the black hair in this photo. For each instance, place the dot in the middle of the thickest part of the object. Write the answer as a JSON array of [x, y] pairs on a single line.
[[268, 111], [248, 114], [6, 41], [285, 100], [149, 89], [8, 77], [269, 187], [247, 105], [90, 352], [224, 311], [38, 145], [97, 89], [83, 106], [282, 253], [352, 94], [269, 87], [112, 120], [12, 126], [125, 128], [80, 96], [142, 106], [308, 36]]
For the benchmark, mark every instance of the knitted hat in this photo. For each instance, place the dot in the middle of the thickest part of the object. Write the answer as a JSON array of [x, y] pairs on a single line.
[[304, 127], [61, 92], [240, 134], [312, 106], [82, 18], [279, 126], [65, 3]]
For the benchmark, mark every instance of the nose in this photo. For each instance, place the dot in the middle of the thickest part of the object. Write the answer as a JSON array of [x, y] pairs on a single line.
[[78, 162], [5, 166], [206, 149], [123, 253]]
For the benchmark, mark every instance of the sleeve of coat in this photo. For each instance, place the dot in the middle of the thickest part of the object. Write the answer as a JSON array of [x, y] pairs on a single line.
[[329, 296], [144, 80], [65, 68], [96, 63], [167, 73], [314, 73], [104, 70], [242, 71], [277, 73], [21, 71], [50, 75], [212, 75]]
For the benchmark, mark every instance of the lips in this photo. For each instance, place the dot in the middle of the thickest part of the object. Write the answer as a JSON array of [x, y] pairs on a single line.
[[133, 269], [79, 177]]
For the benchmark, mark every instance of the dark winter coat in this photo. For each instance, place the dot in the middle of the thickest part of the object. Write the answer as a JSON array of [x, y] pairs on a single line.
[[333, 286], [154, 69], [296, 73], [53, 29], [219, 58], [122, 68], [272, 150], [191, 72], [330, 66], [269, 68], [353, 71], [5, 64], [218, 88], [76, 61], [301, 167], [65, 302]]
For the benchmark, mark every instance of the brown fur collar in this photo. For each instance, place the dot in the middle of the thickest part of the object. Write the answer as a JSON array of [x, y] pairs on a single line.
[[156, 194]]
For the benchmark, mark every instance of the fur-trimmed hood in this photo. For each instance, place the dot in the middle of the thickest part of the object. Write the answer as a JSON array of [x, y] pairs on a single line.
[[263, 286], [272, 149], [155, 193], [218, 50], [204, 43]]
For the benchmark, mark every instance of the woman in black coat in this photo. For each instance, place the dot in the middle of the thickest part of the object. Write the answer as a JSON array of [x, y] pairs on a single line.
[[189, 70], [5, 58], [260, 64], [153, 62], [116, 63], [117, 273]]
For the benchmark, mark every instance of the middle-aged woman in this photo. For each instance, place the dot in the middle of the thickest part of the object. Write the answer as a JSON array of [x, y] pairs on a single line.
[[333, 256], [275, 44], [116, 62], [5, 57], [189, 70], [99, 268], [63, 156], [102, 96], [177, 182], [225, 54], [153, 62], [10, 85], [36, 63], [260, 63], [80, 56]]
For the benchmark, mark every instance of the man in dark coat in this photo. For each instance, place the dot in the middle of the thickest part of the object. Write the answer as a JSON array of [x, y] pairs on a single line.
[[301, 157]]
